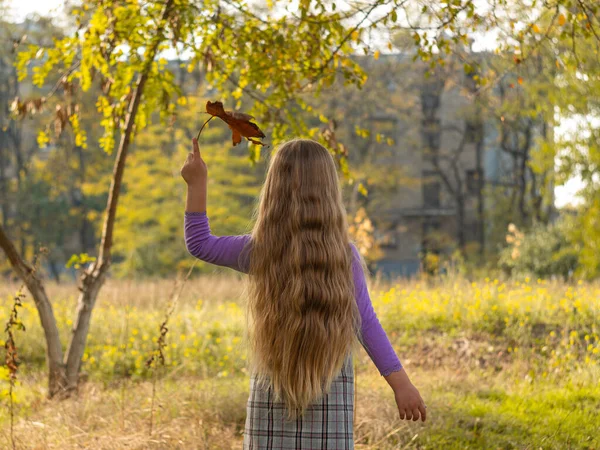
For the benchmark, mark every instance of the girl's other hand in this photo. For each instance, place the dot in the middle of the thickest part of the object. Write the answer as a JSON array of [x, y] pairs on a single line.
[[410, 404], [194, 170]]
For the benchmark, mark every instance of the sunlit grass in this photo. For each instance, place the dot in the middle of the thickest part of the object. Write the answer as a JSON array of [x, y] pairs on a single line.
[[499, 363]]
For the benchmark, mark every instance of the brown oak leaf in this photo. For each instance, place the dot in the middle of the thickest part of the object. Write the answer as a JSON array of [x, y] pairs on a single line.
[[239, 123]]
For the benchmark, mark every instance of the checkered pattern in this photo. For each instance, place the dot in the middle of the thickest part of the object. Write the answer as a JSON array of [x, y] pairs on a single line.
[[326, 424]]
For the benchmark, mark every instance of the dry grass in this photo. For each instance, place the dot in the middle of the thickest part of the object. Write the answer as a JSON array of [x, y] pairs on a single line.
[[189, 414], [467, 410], [530, 383]]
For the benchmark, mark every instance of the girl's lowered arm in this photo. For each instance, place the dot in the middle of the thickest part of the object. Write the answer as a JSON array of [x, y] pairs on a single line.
[[376, 343]]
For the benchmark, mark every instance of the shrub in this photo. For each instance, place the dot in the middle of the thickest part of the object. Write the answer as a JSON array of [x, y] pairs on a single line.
[[544, 251]]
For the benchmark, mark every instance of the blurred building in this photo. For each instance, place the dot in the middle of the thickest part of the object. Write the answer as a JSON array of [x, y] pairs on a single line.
[[453, 153]]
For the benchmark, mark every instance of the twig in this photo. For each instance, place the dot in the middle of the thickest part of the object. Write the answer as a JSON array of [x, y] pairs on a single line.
[[203, 125], [585, 11], [124, 355], [341, 44], [158, 353]]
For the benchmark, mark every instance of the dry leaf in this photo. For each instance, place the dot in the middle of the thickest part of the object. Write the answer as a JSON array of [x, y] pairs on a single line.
[[239, 123]]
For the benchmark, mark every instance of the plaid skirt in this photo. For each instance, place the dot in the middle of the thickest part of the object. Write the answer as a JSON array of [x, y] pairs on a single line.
[[327, 424]]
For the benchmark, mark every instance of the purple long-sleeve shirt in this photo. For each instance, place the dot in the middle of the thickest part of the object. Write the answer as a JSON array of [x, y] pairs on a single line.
[[227, 251]]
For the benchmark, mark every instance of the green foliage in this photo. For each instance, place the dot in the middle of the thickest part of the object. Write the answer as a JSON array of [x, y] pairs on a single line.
[[259, 57], [542, 252], [586, 236], [76, 261]]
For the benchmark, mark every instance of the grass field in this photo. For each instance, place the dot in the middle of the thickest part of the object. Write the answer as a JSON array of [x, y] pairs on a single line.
[[501, 366]]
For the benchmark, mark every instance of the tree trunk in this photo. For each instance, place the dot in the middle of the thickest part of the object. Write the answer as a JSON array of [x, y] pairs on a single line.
[[54, 271], [479, 193], [523, 173], [3, 184], [56, 368], [63, 376], [460, 232], [94, 277], [522, 189]]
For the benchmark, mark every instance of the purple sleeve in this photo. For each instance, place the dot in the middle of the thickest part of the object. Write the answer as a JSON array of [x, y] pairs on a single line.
[[220, 250], [374, 338]]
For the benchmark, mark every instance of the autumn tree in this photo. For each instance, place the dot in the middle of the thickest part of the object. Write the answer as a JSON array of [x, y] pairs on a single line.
[[118, 47]]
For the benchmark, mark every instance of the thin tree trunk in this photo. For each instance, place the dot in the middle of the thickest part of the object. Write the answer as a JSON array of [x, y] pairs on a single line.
[[3, 184], [56, 369], [480, 198], [522, 189], [354, 198], [54, 271], [94, 277], [460, 235], [84, 224]]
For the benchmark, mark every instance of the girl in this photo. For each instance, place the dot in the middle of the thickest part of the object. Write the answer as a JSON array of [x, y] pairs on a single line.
[[308, 302]]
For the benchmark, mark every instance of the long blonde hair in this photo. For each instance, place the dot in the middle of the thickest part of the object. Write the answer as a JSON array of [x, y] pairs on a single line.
[[304, 321]]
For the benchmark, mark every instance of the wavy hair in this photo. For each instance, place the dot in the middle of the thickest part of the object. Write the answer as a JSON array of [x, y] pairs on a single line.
[[304, 321]]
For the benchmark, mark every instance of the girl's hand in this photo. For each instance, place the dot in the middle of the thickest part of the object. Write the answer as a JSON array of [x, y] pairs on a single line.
[[409, 401], [410, 404], [194, 170]]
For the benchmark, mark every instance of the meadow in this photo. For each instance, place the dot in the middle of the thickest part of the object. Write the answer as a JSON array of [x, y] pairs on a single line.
[[501, 365]]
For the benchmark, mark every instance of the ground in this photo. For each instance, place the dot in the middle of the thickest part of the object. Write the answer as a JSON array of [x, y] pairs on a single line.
[[500, 366]]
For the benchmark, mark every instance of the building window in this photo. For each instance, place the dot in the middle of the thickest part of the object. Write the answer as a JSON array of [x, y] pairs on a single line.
[[432, 189], [474, 181], [473, 132], [431, 134], [388, 240]]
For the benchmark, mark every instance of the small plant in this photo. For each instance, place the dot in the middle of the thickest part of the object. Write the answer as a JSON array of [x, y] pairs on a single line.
[[12, 356], [158, 355], [13, 324]]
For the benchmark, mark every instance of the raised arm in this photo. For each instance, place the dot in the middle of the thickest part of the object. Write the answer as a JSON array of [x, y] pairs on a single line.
[[228, 251], [225, 251]]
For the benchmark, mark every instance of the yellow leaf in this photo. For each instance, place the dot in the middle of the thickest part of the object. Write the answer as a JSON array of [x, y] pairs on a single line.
[[362, 189], [562, 20], [536, 29], [390, 46], [355, 35], [42, 139], [376, 54]]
